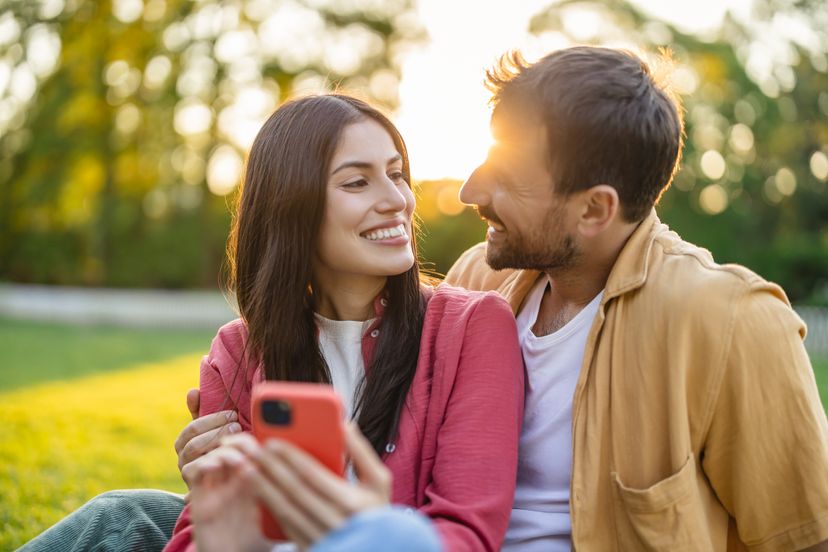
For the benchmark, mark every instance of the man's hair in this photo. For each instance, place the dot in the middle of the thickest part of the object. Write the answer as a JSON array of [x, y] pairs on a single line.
[[606, 118]]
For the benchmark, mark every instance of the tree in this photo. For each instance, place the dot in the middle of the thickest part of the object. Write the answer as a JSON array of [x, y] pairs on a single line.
[[119, 150]]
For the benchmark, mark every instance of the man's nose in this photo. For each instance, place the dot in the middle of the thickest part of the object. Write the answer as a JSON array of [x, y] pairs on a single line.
[[475, 189]]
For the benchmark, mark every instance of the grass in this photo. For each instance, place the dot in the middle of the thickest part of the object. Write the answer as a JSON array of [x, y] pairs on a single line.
[[36, 352], [821, 372], [86, 410]]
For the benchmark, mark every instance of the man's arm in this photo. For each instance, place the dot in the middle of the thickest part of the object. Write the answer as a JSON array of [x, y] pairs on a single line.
[[766, 450]]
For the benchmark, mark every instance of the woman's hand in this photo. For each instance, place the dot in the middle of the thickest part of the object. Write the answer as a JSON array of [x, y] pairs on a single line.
[[223, 506], [308, 500]]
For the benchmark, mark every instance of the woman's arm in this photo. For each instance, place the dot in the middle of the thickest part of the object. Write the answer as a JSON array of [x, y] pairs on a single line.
[[473, 479]]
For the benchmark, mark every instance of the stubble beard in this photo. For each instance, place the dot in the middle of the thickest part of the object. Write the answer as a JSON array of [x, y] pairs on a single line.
[[549, 250]]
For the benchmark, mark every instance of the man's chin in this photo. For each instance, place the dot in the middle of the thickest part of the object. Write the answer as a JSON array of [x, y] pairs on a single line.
[[497, 258]]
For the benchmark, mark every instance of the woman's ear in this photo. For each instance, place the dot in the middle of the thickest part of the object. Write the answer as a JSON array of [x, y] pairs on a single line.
[[600, 206]]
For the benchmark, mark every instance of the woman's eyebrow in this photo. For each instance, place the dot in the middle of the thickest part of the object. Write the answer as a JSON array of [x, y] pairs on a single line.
[[363, 164]]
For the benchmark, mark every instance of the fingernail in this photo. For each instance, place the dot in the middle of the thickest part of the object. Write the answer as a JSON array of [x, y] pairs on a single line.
[[234, 428], [231, 416]]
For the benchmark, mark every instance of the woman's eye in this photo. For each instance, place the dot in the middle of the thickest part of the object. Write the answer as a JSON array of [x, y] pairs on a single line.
[[356, 184], [396, 176]]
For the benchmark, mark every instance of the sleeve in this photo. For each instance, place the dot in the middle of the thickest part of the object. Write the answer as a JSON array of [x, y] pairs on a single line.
[[766, 453], [473, 479], [220, 378]]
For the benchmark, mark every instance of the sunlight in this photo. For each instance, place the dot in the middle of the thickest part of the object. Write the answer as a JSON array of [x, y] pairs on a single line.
[[444, 112]]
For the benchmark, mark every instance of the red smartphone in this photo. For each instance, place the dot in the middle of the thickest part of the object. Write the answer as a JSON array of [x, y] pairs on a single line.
[[309, 416]]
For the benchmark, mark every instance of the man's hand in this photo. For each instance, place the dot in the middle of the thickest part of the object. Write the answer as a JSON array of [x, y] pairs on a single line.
[[202, 435]]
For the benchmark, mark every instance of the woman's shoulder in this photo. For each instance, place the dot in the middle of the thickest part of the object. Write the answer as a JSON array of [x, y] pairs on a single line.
[[452, 306], [445, 295], [230, 340]]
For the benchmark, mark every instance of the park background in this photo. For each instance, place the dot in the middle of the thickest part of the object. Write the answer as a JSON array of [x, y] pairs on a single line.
[[123, 130]]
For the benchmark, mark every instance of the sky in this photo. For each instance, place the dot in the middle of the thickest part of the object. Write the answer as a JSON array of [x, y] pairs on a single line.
[[446, 121]]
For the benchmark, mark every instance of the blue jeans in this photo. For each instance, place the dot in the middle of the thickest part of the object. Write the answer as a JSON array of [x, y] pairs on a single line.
[[142, 520], [389, 528]]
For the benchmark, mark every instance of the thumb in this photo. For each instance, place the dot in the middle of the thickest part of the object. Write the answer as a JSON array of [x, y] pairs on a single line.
[[193, 400]]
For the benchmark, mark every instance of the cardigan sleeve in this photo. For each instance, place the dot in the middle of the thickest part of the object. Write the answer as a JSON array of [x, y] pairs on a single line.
[[222, 386], [472, 488]]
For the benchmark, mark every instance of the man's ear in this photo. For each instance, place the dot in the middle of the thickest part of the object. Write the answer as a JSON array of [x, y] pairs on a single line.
[[600, 206]]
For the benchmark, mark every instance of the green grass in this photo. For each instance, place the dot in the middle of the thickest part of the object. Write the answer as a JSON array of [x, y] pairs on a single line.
[[86, 410], [821, 373], [36, 352]]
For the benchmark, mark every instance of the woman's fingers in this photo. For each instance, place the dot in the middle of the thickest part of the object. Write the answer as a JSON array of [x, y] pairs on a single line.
[[212, 463], [295, 523], [301, 477], [367, 465]]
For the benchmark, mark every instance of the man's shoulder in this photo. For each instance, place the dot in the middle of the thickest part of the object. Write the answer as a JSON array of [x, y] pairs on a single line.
[[683, 273]]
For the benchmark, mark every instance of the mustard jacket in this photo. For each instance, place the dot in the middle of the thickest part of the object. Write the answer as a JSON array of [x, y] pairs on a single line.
[[697, 424]]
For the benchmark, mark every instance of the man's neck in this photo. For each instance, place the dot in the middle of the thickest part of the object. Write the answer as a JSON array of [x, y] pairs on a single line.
[[575, 287]]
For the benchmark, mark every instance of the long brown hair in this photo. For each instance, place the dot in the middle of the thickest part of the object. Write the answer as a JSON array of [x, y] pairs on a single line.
[[270, 253]]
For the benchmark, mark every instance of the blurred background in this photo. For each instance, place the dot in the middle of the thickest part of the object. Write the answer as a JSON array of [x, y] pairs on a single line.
[[123, 131]]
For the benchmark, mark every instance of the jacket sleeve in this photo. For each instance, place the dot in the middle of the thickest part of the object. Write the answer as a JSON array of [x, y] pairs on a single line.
[[221, 387], [766, 452], [470, 496]]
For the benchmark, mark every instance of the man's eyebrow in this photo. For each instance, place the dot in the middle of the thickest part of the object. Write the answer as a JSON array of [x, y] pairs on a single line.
[[363, 164]]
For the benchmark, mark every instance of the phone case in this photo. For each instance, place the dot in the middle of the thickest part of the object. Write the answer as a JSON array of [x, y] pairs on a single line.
[[316, 426]]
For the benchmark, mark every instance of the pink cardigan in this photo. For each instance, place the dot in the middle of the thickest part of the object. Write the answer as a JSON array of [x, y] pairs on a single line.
[[455, 455]]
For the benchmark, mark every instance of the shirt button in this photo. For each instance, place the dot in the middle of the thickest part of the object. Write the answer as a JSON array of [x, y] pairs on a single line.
[[375, 333], [390, 447], [384, 302]]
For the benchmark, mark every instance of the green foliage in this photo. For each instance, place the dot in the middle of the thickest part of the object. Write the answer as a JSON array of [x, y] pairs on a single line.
[[114, 172]]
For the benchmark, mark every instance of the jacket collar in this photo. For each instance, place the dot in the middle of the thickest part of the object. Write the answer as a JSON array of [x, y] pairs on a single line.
[[628, 273], [630, 269]]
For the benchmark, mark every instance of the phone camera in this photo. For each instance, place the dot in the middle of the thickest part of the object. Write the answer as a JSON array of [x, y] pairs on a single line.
[[276, 412]]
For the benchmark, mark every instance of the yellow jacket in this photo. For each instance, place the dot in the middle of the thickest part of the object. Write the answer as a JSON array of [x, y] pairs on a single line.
[[697, 424]]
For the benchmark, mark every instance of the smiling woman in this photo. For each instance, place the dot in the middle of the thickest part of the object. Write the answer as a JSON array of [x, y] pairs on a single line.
[[324, 266]]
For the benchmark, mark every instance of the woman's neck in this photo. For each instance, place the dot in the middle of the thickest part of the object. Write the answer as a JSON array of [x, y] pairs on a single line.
[[347, 298]]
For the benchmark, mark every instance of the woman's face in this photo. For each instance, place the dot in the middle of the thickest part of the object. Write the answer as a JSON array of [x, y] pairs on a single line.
[[366, 227]]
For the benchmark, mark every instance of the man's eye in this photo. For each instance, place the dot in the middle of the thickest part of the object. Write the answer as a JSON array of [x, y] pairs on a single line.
[[356, 184]]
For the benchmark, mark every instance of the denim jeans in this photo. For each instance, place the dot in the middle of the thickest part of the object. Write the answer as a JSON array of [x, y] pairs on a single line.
[[391, 528], [143, 520]]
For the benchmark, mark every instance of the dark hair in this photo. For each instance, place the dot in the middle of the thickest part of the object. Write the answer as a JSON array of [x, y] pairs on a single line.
[[270, 254], [606, 118]]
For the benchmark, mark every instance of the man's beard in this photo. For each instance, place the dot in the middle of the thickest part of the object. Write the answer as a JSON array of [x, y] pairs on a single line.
[[548, 248]]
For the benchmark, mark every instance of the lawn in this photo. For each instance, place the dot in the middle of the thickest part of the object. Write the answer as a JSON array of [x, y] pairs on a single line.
[[86, 410]]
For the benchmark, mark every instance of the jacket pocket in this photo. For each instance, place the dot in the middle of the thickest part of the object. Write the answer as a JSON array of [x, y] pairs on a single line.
[[666, 516]]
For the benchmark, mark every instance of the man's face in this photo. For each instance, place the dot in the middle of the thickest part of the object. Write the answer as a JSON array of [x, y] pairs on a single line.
[[513, 191]]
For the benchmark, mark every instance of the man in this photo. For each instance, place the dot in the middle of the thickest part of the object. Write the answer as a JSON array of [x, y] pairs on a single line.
[[686, 404], [670, 403]]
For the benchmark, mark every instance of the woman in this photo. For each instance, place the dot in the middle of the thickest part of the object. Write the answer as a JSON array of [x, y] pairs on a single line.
[[324, 267]]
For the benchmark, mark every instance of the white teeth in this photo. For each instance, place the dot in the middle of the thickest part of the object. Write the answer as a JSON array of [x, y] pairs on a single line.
[[386, 233]]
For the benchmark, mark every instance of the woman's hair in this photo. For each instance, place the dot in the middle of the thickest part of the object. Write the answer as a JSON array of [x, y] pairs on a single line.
[[271, 251]]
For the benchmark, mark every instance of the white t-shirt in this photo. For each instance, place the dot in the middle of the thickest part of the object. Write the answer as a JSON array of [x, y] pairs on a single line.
[[341, 344], [540, 514]]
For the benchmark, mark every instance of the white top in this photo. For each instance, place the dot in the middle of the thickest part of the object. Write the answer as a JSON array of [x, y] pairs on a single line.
[[540, 514], [341, 344]]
